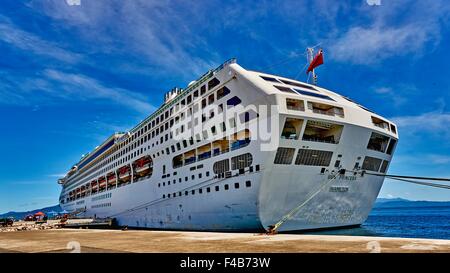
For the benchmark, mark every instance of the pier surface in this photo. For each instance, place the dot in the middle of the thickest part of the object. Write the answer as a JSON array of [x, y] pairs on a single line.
[[90, 240]]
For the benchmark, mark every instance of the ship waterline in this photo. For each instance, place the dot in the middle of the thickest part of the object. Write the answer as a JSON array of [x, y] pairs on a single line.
[[164, 174]]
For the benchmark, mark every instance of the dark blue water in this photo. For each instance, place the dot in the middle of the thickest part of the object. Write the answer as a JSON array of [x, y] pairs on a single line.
[[407, 222]]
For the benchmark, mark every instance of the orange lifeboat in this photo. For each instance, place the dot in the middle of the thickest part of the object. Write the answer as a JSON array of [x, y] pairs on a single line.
[[111, 179], [94, 186], [102, 183], [125, 173], [143, 166]]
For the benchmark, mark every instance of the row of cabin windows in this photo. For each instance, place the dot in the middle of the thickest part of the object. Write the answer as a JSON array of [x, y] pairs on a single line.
[[226, 187], [180, 180], [221, 93], [211, 84], [244, 117]]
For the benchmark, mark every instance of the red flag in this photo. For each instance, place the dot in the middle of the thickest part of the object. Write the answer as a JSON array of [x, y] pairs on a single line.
[[318, 60]]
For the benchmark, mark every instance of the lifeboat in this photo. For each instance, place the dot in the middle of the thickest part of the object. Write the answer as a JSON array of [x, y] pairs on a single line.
[[102, 182], [111, 178], [143, 166], [125, 173], [94, 185]]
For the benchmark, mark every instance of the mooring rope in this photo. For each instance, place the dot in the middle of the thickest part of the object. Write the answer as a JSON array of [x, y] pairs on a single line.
[[295, 210]]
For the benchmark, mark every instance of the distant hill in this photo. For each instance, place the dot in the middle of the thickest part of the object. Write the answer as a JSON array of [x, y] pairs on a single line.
[[400, 202], [22, 214]]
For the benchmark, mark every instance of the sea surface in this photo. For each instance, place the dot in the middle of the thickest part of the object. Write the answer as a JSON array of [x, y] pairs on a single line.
[[408, 222]]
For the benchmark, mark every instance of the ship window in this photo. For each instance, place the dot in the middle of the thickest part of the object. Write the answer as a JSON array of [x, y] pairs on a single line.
[[371, 164], [297, 105], [313, 157], [241, 161], [220, 147], [247, 116], [236, 185], [284, 156], [232, 122], [217, 188], [177, 161], [213, 83], [291, 129], [284, 89], [226, 187], [380, 123], [202, 90], [196, 94], [234, 101], [298, 84], [221, 166], [240, 139], [248, 183], [326, 109], [222, 92], [393, 129], [384, 166], [188, 100], [311, 94], [203, 103], [320, 131], [391, 146], [211, 99], [378, 142], [208, 189], [269, 79], [193, 192]]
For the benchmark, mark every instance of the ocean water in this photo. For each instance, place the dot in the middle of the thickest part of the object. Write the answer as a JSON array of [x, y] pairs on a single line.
[[408, 222]]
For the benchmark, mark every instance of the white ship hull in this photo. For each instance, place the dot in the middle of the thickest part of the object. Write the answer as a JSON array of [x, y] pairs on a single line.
[[266, 191]]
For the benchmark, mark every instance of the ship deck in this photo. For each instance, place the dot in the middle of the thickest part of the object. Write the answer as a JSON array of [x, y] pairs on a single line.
[[62, 240]]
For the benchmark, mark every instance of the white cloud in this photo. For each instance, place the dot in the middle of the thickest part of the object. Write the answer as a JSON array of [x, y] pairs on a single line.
[[51, 86], [26, 41], [396, 28], [432, 122], [152, 31], [383, 90], [79, 87], [370, 45]]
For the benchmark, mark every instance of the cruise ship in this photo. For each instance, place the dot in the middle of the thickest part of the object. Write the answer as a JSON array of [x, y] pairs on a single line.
[[238, 150]]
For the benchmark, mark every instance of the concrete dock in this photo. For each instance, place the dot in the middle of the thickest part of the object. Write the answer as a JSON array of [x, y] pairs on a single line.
[[90, 240]]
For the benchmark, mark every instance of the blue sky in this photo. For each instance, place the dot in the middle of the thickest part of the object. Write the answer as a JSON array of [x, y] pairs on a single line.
[[71, 75]]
